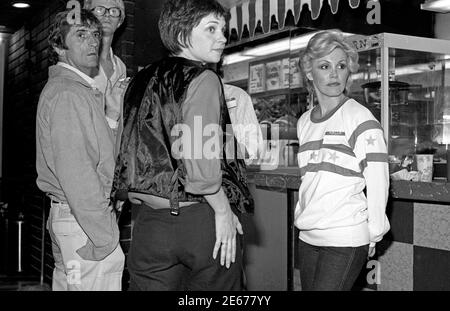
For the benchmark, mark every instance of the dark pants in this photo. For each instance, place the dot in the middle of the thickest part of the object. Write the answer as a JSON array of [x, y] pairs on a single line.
[[330, 268], [175, 252]]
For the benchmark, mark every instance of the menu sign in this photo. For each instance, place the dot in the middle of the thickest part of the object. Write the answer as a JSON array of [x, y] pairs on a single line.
[[285, 69], [273, 75], [295, 74], [364, 43], [257, 78]]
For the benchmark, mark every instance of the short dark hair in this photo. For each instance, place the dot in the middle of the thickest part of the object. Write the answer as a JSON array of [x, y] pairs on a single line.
[[61, 27], [179, 17]]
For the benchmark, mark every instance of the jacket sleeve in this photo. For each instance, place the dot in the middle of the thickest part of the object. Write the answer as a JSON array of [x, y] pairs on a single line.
[[75, 149]]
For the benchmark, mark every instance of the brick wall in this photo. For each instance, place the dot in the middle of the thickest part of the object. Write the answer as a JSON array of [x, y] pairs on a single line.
[[25, 78]]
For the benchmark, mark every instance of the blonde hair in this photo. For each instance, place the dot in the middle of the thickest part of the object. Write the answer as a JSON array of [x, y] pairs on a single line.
[[119, 3], [322, 44]]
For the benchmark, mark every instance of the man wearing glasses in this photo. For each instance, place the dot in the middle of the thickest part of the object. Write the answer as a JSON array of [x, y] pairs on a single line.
[[111, 76]]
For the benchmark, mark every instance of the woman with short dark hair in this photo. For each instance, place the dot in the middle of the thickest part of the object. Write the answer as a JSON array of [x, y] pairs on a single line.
[[172, 163]]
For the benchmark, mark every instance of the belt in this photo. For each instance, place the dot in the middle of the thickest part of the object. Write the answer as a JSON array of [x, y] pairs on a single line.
[[156, 202], [157, 207], [57, 202]]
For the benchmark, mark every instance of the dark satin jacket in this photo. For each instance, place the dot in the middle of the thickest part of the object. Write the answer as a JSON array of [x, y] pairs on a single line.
[[152, 106]]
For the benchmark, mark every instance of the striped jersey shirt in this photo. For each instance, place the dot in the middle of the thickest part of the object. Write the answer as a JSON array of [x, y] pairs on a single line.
[[339, 156]]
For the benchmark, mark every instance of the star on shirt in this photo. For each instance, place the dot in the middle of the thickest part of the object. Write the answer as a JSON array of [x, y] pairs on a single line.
[[371, 141], [333, 156], [313, 156]]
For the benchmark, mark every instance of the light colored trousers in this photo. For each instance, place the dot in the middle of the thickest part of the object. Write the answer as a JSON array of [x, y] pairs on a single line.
[[71, 272]]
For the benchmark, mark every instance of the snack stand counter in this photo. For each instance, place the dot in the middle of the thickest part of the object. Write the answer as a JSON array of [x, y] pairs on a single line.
[[405, 82]]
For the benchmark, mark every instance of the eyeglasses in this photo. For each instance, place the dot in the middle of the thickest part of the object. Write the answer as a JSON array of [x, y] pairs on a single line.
[[101, 10]]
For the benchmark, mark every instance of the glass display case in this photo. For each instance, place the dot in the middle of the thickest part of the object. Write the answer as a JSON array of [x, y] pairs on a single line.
[[270, 73], [405, 82]]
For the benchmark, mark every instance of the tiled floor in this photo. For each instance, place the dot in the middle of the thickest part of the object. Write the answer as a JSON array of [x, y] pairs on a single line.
[[21, 283]]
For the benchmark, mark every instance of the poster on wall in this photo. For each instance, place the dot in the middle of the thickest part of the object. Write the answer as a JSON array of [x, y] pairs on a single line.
[[256, 77], [273, 75], [285, 76]]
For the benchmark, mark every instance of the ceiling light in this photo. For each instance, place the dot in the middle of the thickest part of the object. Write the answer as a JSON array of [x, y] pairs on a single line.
[[441, 6], [267, 49], [235, 58], [20, 5]]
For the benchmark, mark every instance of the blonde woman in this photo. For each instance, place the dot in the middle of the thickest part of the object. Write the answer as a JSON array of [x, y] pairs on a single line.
[[342, 152]]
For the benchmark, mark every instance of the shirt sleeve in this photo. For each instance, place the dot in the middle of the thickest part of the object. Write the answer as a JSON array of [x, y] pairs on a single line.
[[371, 151], [245, 124], [113, 97], [74, 143], [201, 115], [114, 94]]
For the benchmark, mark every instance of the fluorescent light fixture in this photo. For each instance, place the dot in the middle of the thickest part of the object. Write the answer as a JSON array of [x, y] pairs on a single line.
[[21, 5], [283, 45], [441, 6], [267, 49], [235, 58], [300, 42]]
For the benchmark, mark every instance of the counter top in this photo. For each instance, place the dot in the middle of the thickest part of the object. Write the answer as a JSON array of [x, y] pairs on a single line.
[[289, 178], [436, 191], [286, 178]]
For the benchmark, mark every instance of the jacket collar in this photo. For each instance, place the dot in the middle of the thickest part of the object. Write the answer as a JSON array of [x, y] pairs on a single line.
[[58, 71], [188, 62]]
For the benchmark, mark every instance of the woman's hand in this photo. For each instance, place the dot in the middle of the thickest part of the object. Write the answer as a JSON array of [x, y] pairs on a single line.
[[227, 224], [371, 251]]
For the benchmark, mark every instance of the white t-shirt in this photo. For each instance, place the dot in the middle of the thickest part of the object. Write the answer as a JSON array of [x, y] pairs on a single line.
[[104, 84]]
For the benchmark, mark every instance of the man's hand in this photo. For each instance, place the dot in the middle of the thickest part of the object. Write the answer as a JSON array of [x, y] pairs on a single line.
[[114, 98], [118, 206]]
